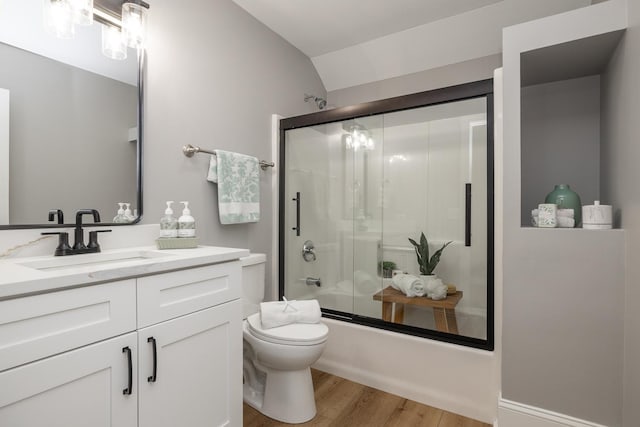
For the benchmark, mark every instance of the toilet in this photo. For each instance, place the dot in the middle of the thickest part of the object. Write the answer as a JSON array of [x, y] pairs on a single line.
[[276, 361]]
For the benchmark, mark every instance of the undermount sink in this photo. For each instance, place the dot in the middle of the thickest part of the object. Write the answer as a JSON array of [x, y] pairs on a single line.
[[92, 260]]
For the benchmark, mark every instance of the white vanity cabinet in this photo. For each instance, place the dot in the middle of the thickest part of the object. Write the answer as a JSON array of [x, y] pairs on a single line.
[[78, 388], [156, 350], [190, 371]]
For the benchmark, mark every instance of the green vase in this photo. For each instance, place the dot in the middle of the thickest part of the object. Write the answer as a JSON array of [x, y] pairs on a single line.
[[563, 196]]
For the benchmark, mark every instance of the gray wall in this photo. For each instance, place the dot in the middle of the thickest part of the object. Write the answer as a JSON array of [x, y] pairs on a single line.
[[463, 72], [69, 138], [215, 76], [560, 122], [563, 289], [621, 175]]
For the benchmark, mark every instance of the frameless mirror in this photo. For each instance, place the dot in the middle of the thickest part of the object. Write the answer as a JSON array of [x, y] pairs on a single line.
[[69, 132]]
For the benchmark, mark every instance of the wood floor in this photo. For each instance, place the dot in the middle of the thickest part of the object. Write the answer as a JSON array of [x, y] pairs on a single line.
[[342, 403]]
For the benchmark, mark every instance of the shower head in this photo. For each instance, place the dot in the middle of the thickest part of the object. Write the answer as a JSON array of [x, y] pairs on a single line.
[[321, 103]]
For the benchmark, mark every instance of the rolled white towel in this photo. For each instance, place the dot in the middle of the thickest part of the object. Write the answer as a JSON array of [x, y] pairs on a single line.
[[566, 213], [566, 222], [409, 285], [280, 313], [436, 289], [364, 283]]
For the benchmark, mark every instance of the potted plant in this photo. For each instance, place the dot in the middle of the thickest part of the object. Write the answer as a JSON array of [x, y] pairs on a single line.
[[427, 264], [385, 269]]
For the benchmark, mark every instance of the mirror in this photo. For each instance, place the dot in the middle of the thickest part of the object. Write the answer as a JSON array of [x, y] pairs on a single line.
[[69, 134]]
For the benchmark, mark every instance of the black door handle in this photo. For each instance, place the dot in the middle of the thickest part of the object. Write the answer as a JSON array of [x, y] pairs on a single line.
[[153, 377], [129, 389], [467, 214], [297, 200]]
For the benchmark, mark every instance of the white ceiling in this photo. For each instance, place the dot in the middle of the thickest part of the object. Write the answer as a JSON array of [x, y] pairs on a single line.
[[353, 42], [321, 26]]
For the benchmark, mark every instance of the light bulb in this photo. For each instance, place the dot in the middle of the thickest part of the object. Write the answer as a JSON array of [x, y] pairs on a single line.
[[134, 24], [82, 11], [58, 18], [113, 43]]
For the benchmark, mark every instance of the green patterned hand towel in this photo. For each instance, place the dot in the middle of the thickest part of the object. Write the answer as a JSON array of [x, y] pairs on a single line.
[[237, 176]]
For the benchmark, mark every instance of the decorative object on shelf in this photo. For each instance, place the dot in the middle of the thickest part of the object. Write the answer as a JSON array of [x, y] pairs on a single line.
[[434, 287], [547, 215], [385, 269], [426, 264], [565, 218], [565, 198], [597, 216]]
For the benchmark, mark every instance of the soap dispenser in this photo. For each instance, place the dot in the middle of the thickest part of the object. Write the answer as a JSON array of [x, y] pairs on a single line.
[[168, 223], [128, 216], [120, 218], [186, 223]]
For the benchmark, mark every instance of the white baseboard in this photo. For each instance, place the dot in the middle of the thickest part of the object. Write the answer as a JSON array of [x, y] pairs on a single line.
[[514, 414]]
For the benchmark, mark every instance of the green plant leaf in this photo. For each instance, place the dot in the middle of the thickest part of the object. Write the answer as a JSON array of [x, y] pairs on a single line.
[[435, 259], [424, 253], [417, 250]]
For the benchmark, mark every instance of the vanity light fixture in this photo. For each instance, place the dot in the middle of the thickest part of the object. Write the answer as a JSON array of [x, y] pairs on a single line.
[[124, 23]]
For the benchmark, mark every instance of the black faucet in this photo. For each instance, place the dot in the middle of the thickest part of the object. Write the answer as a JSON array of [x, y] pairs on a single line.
[[79, 232], [78, 247], [56, 212]]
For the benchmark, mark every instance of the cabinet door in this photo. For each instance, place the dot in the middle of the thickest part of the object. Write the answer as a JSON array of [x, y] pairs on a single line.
[[79, 388], [198, 378]]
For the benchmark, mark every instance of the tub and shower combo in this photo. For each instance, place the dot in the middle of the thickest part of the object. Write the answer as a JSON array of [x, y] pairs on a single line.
[[357, 182]]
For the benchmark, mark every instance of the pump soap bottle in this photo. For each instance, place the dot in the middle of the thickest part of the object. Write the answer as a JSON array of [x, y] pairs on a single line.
[[168, 223], [186, 223]]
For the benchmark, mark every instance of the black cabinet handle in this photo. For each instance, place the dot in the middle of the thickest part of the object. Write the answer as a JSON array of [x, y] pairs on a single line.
[[467, 214], [153, 377], [297, 200], [129, 389]]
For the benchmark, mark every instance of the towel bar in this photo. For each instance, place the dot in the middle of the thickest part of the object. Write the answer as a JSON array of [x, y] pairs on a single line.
[[189, 150]]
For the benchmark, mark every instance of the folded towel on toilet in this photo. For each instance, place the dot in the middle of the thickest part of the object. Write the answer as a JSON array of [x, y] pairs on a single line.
[[409, 285], [280, 313]]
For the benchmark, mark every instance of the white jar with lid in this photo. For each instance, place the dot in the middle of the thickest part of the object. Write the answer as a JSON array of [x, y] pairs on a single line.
[[597, 216]]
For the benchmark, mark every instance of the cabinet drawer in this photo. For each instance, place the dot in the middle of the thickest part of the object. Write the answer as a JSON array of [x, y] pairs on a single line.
[[167, 296], [42, 325]]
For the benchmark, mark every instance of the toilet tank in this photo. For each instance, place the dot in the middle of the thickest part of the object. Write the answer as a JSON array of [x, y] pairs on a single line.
[[253, 276]]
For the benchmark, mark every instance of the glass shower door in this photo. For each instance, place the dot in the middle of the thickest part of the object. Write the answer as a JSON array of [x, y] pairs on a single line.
[[354, 191], [333, 215]]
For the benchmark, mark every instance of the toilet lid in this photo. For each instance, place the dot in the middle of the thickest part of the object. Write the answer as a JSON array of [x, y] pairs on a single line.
[[293, 334]]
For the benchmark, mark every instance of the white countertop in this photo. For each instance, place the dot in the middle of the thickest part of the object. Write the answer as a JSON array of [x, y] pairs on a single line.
[[31, 275]]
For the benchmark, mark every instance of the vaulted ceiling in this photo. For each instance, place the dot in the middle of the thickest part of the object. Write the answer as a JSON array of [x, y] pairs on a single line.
[[352, 42]]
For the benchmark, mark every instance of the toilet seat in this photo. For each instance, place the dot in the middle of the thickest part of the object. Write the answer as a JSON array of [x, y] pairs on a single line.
[[293, 334]]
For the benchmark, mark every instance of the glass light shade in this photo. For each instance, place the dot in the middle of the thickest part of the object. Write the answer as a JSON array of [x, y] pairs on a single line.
[[58, 18], [114, 45], [82, 11], [134, 24]]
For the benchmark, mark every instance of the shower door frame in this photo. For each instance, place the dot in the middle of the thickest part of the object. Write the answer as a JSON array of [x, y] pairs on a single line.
[[478, 89]]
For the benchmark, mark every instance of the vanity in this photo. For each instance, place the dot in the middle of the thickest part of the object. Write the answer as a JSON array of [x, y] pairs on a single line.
[[127, 337]]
